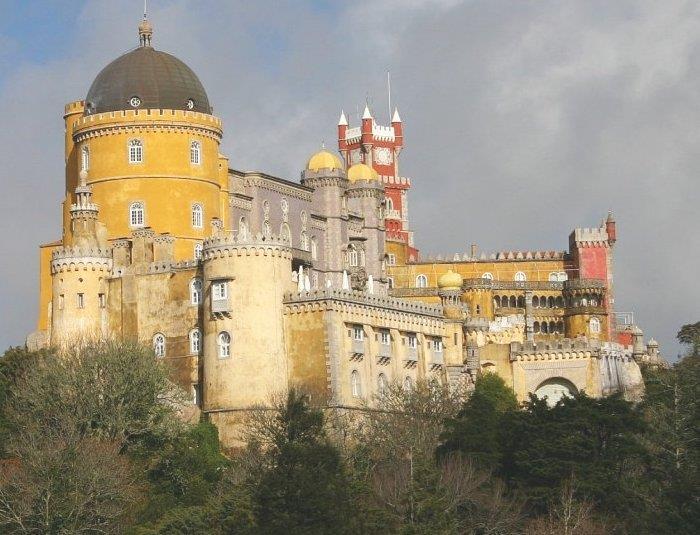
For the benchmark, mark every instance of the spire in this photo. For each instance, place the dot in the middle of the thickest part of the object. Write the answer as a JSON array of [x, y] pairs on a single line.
[[145, 28], [343, 121], [396, 118], [367, 114]]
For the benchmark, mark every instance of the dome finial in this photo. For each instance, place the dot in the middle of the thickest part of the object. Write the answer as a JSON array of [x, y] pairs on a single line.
[[145, 28]]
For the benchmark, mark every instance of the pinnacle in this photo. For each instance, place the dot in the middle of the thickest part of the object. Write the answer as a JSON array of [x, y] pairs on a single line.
[[396, 118], [343, 121]]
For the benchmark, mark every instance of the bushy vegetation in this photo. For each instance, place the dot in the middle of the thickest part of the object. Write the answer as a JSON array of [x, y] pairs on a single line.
[[94, 442]]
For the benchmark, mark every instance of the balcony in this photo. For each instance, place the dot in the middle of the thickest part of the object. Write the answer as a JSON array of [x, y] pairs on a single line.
[[220, 306], [411, 359], [437, 359], [384, 354], [392, 214], [357, 351]]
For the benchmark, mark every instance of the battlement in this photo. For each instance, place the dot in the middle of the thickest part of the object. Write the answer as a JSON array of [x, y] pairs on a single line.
[[379, 133], [587, 237], [81, 259], [71, 108], [232, 241], [501, 256], [362, 298]]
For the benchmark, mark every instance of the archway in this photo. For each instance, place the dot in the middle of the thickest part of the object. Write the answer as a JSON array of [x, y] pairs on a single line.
[[555, 389]]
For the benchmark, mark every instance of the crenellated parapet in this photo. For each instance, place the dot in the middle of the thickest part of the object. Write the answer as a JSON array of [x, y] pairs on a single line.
[[589, 237], [81, 259], [499, 256], [234, 244], [136, 121]]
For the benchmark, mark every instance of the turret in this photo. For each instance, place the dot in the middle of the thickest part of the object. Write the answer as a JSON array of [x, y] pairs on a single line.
[[611, 229], [398, 130], [342, 129]]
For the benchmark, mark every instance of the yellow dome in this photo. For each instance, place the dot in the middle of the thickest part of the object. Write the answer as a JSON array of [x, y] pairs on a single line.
[[324, 160], [450, 280], [361, 171]]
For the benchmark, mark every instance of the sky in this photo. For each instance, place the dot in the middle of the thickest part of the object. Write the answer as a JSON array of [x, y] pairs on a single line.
[[522, 119]]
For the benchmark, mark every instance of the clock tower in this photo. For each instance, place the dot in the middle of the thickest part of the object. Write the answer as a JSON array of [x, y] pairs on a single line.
[[379, 147]]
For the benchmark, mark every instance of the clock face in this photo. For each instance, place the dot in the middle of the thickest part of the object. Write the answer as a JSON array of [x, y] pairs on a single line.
[[383, 156], [355, 156]]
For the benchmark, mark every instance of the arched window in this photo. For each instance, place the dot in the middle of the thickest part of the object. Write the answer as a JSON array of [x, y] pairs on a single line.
[[543, 327], [136, 215], [550, 301], [304, 238], [560, 327], [535, 301], [553, 276], [408, 384], [285, 233], [85, 158], [520, 277], [198, 248], [382, 384], [390, 280], [552, 327], [536, 326], [497, 301], [512, 302], [197, 216], [389, 204], [355, 384], [421, 281], [559, 301], [352, 256], [196, 291], [314, 248], [224, 343], [196, 153], [521, 302], [267, 229], [243, 228], [563, 276], [195, 341], [594, 325], [159, 344], [135, 151], [487, 276]]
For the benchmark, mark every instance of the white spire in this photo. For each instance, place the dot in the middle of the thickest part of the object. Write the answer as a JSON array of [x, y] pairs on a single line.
[[367, 114], [396, 118], [343, 121]]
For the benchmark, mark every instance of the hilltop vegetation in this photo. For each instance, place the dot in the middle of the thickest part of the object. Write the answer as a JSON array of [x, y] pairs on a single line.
[[92, 442]]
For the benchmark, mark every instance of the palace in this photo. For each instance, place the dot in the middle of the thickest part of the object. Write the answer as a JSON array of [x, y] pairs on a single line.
[[246, 283]]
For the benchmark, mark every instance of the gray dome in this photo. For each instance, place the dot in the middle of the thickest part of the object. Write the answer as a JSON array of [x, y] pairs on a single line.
[[146, 79]]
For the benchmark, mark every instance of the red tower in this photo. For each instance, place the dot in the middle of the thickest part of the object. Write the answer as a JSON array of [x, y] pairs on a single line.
[[379, 147]]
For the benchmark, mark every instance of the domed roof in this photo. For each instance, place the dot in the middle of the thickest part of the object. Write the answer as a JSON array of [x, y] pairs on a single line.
[[450, 280], [361, 171], [324, 159], [146, 78]]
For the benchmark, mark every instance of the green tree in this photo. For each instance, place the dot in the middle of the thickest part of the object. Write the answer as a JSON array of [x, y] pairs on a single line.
[[690, 335]]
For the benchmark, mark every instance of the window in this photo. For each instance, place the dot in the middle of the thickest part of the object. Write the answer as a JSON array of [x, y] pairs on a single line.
[[382, 384], [386, 338], [80, 301], [355, 384], [219, 291], [437, 345], [136, 215], [487, 276], [304, 239], [594, 325], [198, 250], [421, 281], [243, 228], [85, 158], [286, 234], [61, 301], [267, 229], [196, 291], [520, 277], [224, 345], [412, 341], [389, 204], [563, 276], [358, 333], [195, 341], [135, 151], [554, 276], [390, 280], [101, 300], [314, 248], [352, 257], [478, 310], [408, 384], [159, 345], [196, 153], [391, 259], [197, 216], [195, 394]]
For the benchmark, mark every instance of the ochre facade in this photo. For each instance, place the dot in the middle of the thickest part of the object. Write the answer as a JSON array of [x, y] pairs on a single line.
[[247, 284]]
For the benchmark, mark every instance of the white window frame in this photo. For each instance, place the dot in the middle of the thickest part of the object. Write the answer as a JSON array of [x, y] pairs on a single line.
[[195, 341], [438, 346], [422, 281], [353, 260], [219, 290], [520, 276], [391, 259], [198, 251], [195, 152], [594, 325], [137, 214], [197, 216], [286, 233], [358, 333], [196, 286], [412, 341], [135, 151], [487, 275], [355, 384], [389, 203], [385, 337], [223, 341], [159, 345]]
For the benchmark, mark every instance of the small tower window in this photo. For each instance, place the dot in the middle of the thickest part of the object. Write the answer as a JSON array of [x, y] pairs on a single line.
[[198, 248], [594, 325], [136, 215], [355, 384], [196, 153], [197, 216], [135, 151], [421, 281], [85, 158], [102, 301], [196, 291], [389, 204], [61, 301], [224, 345], [520, 277], [195, 341], [219, 291], [390, 281], [159, 345], [80, 302]]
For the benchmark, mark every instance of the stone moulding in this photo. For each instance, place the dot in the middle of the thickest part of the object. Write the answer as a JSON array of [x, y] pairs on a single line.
[[79, 259]]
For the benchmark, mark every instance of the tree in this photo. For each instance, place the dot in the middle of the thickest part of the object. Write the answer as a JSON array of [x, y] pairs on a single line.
[[690, 335], [305, 488]]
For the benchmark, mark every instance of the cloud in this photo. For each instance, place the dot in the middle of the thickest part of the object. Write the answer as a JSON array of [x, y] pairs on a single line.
[[523, 120]]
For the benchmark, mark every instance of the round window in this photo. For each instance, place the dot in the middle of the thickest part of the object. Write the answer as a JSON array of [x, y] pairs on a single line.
[[190, 104], [135, 102]]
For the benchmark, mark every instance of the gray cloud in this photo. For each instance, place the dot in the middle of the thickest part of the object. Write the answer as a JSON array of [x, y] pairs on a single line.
[[523, 120]]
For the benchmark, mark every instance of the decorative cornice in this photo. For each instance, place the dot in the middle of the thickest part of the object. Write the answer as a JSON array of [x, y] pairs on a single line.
[[291, 190], [81, 259]]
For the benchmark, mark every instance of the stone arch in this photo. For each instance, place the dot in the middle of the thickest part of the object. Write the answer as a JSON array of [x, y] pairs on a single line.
[[554, 389]]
